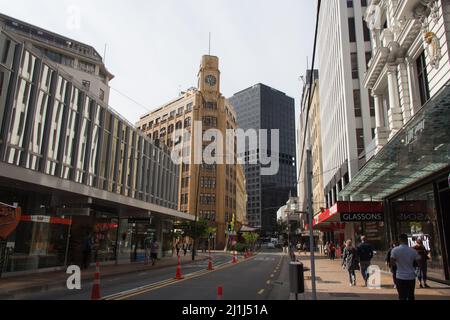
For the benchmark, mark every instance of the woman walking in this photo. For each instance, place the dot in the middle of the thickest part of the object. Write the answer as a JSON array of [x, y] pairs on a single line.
[[392, 267], [350, 261], [422, 264]]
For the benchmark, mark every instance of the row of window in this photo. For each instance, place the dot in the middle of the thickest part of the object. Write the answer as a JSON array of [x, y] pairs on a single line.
[[208, 199], [66, 133], [171, 115], [208, 215]]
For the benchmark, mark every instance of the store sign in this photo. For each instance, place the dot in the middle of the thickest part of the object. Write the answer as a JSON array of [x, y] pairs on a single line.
[[412, 216], [361, 217]]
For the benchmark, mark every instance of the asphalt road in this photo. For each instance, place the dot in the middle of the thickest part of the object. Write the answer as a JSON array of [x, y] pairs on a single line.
[[261, 277]]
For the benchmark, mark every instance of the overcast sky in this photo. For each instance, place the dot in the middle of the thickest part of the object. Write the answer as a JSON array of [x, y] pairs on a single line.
[[154, 48]]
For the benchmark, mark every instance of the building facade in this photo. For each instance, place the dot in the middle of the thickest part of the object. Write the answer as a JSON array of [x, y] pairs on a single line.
[[241, 197], [206, 190], [347, 110], [75, 168], [409, 168], [79, 60], [262, 107]]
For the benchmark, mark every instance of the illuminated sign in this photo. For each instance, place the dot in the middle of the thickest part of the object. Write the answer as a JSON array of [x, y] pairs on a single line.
[[357, 217]]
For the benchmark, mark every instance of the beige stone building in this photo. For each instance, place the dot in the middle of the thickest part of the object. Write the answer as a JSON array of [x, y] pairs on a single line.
[[210, 193], [241, 196]]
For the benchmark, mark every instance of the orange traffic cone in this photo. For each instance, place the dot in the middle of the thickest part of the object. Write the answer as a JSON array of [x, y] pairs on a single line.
[[234, 258], [219, 293], [95, 295], [210, 265], [178, 275]]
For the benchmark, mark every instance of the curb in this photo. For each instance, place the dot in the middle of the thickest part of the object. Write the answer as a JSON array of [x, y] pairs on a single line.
[[11, 294]]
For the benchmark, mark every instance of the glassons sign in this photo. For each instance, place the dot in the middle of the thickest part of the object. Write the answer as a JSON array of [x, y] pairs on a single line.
[[356, 211], [349, 217]]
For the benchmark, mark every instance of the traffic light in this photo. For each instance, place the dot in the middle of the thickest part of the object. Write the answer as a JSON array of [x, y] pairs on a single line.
[[229, 227]]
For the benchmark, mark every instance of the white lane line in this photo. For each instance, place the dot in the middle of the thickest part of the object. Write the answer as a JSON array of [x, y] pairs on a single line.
[[261, 291]]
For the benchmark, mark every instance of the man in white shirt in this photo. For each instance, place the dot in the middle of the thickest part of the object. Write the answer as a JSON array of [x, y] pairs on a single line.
[[404, 257]]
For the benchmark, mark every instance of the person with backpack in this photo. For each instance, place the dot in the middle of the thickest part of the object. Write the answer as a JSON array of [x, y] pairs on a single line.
[[350, 261], [422, 265], [365, 255]]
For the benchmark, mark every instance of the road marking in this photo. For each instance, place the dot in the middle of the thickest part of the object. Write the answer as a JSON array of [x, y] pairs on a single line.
[[271, 275], [261, 291], [158, 285], [268, 282]]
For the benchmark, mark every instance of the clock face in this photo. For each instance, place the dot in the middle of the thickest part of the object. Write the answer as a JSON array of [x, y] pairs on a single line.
[[211, 80]]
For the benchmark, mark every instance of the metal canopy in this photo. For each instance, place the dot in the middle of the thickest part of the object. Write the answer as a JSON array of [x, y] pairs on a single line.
[[419, 149]]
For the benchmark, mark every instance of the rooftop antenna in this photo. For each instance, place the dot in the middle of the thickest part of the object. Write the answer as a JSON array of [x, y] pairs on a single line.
[[104, 53], [209, 45]]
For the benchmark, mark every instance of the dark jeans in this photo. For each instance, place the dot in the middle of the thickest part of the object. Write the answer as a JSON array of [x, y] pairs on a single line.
[[394, 275], [352, 276], [422, 273], [405, 289], [364, 266]]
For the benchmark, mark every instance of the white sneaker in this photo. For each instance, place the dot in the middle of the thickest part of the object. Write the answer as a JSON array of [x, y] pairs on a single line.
[[351, 285]]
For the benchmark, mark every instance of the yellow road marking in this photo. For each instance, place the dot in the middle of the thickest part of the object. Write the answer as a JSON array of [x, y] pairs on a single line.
[[168, 282]]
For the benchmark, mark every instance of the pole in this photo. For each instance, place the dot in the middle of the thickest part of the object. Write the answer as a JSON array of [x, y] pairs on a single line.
[[67, 243], [310, 216]]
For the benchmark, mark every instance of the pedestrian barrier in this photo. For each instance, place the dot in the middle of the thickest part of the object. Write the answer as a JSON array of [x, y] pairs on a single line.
[[210, 265], [95, 294], [178, 275], [219, 293], [234, 258]]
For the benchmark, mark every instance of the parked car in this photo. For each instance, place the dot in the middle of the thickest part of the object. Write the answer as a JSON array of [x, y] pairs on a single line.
[[270, 245]]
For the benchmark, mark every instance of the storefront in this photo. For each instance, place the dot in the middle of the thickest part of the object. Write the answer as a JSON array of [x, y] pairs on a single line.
[[411, 175]]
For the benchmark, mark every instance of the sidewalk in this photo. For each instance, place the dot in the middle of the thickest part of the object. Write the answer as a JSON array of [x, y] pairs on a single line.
[[45, 281], [332, 284]]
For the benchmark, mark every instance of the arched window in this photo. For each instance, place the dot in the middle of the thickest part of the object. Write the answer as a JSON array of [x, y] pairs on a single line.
[[187, 122], [178, 125]]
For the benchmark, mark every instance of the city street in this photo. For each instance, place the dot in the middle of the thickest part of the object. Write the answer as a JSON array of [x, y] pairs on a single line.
[[261, 277]]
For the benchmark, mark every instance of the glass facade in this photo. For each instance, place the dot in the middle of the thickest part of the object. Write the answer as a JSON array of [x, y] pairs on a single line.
[[52, 126]]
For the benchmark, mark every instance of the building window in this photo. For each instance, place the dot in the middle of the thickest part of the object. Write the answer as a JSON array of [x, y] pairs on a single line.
[[6, 51], [172, 114], [187, 122], [351, 29], [189, 107], [86, 84], [102, 95], [372, 106], [180, 111], [368, 57], [354, 61], [360, 140], [422, 73], [210, 121], [357, 102], [366, 31], [349, 3]]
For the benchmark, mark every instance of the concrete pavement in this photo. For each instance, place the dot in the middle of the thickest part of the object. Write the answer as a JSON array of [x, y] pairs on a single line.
[[332, 284]]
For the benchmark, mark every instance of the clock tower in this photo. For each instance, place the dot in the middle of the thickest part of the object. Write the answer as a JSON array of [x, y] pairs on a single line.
[[209, 76]]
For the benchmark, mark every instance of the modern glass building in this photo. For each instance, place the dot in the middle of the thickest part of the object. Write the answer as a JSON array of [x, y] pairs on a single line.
[[75, 167], [262, 107]]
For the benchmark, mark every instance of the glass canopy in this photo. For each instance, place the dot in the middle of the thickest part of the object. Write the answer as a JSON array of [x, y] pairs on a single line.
[[419, 149]]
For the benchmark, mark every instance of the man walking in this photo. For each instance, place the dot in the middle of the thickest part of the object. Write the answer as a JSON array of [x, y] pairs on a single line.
[[403, 257], [154, 251], [365, 254]]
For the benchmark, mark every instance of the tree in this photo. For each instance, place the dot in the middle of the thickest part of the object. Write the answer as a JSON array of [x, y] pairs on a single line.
[[250, 238]]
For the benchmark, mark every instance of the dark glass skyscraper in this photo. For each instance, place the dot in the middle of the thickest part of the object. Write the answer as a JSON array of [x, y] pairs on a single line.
[[262, 107]]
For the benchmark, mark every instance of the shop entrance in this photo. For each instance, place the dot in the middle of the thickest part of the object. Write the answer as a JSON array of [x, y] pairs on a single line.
[[444, 200], [141, 231]]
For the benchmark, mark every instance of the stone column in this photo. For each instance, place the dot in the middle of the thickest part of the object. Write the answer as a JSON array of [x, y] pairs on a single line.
[[395, 113], [381, 132], [414, 100], [405, 100]]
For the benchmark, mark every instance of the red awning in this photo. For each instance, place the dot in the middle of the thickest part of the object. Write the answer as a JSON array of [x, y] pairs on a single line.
[[334, 213]]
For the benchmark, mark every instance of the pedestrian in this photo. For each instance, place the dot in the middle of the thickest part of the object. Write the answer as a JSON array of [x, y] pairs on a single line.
[[365, 255], [326, 249], [177, 247], [404, 258], [332, 250], [285, 246], [154, 251], [147, 249], [391, 267], [184, 248], [422, 264], [87, 250], [350, 261]]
